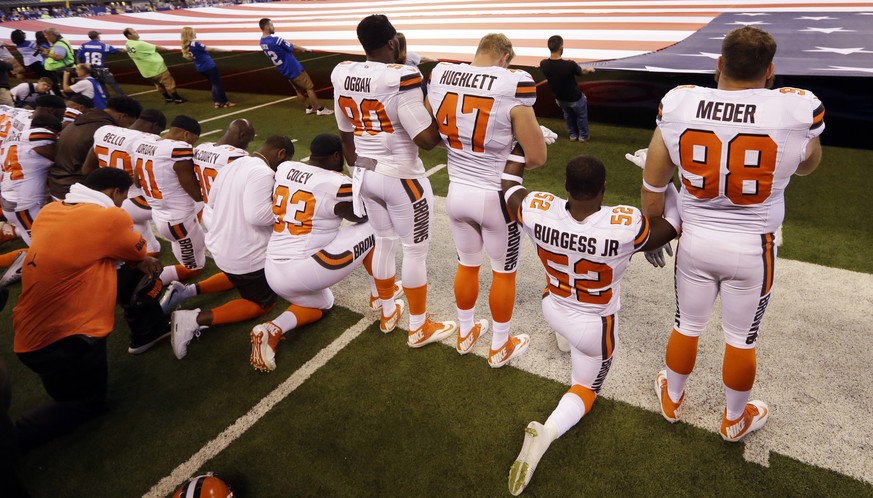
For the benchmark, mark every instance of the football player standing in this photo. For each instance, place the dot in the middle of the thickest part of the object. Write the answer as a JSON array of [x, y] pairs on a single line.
[[383, 122], [736, 147], [478, 108]]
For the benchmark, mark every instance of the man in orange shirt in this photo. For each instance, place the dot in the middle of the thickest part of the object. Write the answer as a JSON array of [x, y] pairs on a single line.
[[67, 303]]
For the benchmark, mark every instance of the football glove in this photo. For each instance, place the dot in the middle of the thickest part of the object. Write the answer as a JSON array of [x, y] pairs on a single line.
[[638, 157], [548, 135], [656, 256]]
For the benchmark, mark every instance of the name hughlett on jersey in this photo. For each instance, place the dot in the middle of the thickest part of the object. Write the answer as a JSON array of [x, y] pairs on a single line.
[[726, 111], [146, 149], [298, 176], [468, 80], [355, 84], [574, 242]]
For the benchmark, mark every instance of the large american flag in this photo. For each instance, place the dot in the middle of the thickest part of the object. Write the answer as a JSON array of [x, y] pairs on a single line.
[[594, 30]]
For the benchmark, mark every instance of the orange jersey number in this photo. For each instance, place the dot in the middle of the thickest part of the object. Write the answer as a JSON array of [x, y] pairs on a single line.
[[447, 119], [12, 165], [304, 208], [751, 162], [542, 200], [365, 117], [595, 289], [145, 171], [205, 177], [118, 159]]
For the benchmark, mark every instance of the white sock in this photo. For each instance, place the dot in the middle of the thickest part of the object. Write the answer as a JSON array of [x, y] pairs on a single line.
[[675, 385], [190, 290], [500, 334], [286, 321], [168, 274], [374, 292], [735, 402], [465, 320], [416, 321], [388, 307], [567, 414]]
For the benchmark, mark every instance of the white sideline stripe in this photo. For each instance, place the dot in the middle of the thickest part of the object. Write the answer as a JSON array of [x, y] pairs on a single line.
[[231, 75], [210, 132], [435, 169], [169, 484]]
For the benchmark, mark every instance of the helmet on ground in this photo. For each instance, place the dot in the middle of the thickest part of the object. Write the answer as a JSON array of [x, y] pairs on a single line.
[[205, 486]]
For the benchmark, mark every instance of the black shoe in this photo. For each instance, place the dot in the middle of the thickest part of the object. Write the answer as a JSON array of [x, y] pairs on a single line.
[[141, 344], [180, 100], [168, 100]]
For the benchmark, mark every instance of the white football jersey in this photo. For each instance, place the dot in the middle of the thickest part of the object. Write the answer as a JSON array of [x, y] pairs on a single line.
[[209, 158], [70, 115], [471, 105], [18, 123], [378, 102], [584, 260], [304, 198], [153, 161], [6, 115], [24, 180], [736, 152], [113, 146]]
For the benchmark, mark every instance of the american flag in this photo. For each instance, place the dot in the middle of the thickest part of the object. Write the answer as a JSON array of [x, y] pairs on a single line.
[[595, 30]]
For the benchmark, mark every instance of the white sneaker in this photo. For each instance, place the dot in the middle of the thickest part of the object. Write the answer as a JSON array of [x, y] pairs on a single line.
[[13, 273], [324, 112], [513, 348], [173, 296], [265, 338], [183, 329], [310, 110], [753, 418], [376, 303], [387, 324], [563, 343], [537, 439]]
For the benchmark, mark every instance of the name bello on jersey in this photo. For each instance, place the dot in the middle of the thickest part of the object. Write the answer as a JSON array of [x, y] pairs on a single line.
[[206, 156], [146, 149], [468, 80], [113, 139], [356, 84], [726, 111], [574, 241]]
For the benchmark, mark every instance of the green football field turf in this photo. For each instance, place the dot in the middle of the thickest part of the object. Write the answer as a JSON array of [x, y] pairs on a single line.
[[382, 420]]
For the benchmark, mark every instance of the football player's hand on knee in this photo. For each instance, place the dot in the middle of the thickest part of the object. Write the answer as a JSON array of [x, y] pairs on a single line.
[[548, 135], [638, 157], [656, 256]]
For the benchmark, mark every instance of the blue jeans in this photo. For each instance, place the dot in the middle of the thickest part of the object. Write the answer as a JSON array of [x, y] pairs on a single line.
[[214, 78], [576, 117]]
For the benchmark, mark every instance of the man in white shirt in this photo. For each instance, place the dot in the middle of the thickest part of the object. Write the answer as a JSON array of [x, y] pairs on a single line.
[[85, 85], [27, 93], [241, 199]]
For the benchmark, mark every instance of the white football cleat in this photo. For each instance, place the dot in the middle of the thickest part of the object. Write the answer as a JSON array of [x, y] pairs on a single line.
[[265, 338], [753, 418], [430, 332], [465, 345], [13, 273], [537, 439], [513, 348], [388, 323], [183, 329], [324, 112]]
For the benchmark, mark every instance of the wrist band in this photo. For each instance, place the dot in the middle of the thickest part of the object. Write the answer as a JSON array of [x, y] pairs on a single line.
[[515, 158], [517, 179], [511, 191], [658, 190]]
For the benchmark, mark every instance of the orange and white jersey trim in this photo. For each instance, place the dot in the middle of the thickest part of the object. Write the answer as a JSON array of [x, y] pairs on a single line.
[[25, 171], [113, 146], [472, 105], [584, 260], [153, 161], [209, 158], [736, 152]]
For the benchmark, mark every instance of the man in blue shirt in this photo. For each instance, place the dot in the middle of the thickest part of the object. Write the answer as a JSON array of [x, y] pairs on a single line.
[[94, 53], [281, 53]]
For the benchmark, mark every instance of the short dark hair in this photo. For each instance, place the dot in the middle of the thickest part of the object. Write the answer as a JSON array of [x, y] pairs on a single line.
[[586, 177], [18, 36], [186, 123], [82, 100], [124, 105], [50, 101], [747, 53], [281, 142], [126, 32], [107, 178], [263, 22], [48, 121], [374, 32], [325, 144], [154, 116], [555, 43], [93, 35]]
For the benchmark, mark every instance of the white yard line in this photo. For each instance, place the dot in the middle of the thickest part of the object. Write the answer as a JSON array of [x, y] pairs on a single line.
[[435, 169], [169, 483], [212, 132]]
